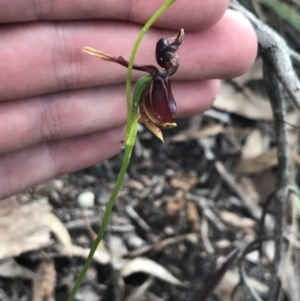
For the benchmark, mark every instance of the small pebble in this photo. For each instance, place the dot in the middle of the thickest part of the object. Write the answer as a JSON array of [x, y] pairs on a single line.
[[223, 243], [133, 241], [170, 172], [253, 256], [86, 199], [83, 240], [168, 230], [58, 184]]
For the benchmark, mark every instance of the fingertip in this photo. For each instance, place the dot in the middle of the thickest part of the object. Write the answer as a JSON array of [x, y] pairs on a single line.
[[225, 50], [245, 46], [188, 14], [195, 97]]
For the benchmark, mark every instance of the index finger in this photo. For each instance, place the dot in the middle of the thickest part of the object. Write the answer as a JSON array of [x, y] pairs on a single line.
[[190, 14]]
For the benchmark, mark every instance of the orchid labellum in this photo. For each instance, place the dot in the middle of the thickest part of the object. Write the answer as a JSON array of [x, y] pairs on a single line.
[[157, 105]]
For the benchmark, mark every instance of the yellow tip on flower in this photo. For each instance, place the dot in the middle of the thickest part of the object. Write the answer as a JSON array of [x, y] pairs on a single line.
[[154, 129], [169, 125]]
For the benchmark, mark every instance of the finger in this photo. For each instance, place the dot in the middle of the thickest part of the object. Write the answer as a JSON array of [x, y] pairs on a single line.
[[226, 50], [43, 58], [184, 13], [31, 166], [26, 122]]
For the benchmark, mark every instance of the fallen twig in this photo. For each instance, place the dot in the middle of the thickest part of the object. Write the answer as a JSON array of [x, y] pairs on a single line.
[[244, 277], [273, 90], [275, 50], [277, 66]]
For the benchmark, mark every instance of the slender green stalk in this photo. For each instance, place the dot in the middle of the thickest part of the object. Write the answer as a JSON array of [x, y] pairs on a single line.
[[105, 220], [131, 132]]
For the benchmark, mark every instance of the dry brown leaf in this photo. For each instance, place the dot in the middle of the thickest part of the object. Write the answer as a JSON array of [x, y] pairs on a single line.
[[193, 216], [22, 229], [148, 266], [44, 289], [296, 157], [246, 103], [211, 130], [207, 131], [183, 182], [60, 231], [250, 189], [101, 256], [290, 275], [159, 246], [254, 145], [136, 185], [264, 183], [148, 296], [246, 224], [230, 280], [261, 163], [9, 268], [138, 294], [175, 204]]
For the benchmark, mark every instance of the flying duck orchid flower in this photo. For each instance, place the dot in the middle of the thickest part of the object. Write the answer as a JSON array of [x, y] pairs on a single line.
[[157, 105]]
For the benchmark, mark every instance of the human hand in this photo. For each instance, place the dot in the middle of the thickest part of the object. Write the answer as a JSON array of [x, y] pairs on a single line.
[[62, 110]]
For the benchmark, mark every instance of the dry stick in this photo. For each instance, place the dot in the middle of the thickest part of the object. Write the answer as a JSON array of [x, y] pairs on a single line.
[[244, 278], [261, 226], [277, 66], [289, 253], [138, 293], [281, 193], [229, 179], [295, 57], [278, 52], [215, 278]]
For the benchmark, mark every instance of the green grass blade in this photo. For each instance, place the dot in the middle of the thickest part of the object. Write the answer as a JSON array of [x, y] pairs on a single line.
[[285, 11]]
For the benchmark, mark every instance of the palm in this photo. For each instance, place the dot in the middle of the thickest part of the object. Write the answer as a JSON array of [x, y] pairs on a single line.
[[61, 111]]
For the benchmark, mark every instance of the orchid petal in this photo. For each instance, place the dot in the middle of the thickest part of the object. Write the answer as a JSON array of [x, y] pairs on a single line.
[[158, 104], [171, 100], [152, 70], [149, 124]]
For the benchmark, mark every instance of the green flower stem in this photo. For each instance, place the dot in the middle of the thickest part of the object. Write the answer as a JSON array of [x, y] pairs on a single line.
[[131, 132], [127, 155]]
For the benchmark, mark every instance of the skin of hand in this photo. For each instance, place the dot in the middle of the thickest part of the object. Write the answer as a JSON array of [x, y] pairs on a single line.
[[62, 110]]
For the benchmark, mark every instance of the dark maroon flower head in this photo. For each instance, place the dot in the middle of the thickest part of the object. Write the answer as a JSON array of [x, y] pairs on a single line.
[[157, 104], [166, 55]]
